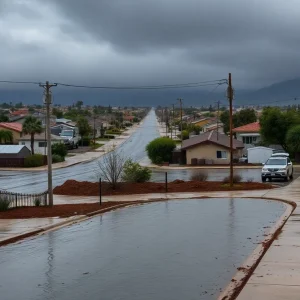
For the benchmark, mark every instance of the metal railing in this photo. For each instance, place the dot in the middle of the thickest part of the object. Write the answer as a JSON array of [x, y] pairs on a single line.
[[20, 199]]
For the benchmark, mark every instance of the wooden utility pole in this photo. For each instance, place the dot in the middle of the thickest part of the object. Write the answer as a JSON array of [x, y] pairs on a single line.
[[174, 118], [180, 101], [230, 98], [218, 115], [48, 101], [166, 120]]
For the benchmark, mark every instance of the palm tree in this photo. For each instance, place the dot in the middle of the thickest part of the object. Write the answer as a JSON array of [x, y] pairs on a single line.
[[31, 126], [6, 136]]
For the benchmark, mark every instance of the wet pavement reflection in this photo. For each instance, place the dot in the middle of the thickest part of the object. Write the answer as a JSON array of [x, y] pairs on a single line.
[[187, 249]]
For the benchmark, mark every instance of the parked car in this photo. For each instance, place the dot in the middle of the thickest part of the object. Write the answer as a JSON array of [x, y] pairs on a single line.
[[71, 138], [280, 154], [277, 167], [243, 159]]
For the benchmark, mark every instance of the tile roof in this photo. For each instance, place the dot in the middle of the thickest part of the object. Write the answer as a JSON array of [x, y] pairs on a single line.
[[11, 149], [252, 127], [211, 137], [12, 126]]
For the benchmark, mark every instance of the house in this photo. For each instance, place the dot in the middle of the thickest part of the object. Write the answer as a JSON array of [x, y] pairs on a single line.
[[20, 112], [13, 155], [248, 134], [211, 146], [40, 142], [15, 128], [201, 122]]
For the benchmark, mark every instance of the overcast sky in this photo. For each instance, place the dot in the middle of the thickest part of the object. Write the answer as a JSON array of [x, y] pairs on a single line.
[[142, 42]]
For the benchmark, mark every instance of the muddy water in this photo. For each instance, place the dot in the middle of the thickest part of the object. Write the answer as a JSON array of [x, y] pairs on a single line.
[[186, 249]]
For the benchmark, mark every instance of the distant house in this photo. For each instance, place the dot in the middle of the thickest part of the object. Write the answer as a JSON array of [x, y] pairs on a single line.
[[13, 155], [248, 134], [40, 142], [211, 146], [15, 128], [201, 122], [20, 112]]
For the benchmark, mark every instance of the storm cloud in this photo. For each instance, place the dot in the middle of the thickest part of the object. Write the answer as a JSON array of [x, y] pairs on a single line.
[[140, 42]]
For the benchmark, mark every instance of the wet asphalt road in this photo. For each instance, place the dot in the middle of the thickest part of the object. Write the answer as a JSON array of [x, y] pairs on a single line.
[[186, 249], [34, 182]]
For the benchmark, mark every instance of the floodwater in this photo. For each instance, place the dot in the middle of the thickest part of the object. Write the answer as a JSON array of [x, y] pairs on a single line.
[[187, 249]]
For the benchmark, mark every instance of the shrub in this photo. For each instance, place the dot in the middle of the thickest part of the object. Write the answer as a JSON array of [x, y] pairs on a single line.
[[4, 203], [113, 131], [185, 135], [57, 158], [59, 149], [85, 141], [37, 202], [133, 172], [35, 160], [160, 150], [236, 178], [198, 176]]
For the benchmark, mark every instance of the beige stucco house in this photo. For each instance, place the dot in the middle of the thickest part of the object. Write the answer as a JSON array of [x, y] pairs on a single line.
[[15, 128], [211, 146]]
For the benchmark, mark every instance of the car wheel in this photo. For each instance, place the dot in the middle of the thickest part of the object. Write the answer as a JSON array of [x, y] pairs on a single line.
[[77, 146], [287, 177], [270, 179], [263, 179], [292, 175]]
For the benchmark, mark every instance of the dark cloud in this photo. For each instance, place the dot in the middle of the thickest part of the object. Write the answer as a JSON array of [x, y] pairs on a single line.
[[155, 41]]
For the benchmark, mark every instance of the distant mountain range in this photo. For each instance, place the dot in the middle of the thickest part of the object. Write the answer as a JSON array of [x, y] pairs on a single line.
[[282, 93]]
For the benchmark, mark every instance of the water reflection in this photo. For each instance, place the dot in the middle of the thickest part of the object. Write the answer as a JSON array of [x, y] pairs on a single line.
[[166, 250]]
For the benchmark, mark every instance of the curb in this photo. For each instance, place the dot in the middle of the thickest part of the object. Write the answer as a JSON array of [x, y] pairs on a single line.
[[245, 271], [59, 225]]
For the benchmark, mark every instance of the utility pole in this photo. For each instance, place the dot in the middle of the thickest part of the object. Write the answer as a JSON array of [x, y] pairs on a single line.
[[166, 120], [230, 98], [180, 101], [218, 119], [94, 129], [174, 118], [48, 101]]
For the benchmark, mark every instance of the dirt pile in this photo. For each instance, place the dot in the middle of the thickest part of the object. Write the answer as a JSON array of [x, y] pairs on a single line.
[[85, 188]]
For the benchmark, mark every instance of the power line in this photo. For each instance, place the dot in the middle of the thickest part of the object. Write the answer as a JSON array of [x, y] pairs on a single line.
[[19, 82], [183, 85]]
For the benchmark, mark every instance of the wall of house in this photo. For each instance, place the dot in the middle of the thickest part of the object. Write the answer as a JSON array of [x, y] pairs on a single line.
[[209, 151], [38, 148], [239, 137], [16, 135]]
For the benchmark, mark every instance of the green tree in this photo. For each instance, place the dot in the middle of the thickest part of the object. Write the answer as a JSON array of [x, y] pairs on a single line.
[[83, 127], [4, 118], [274, 125], [6, 136], [79, 104], [293, 141], [57, 112], [160, 150], [185, 135], [32, 126], [243, 117], [19, 105]]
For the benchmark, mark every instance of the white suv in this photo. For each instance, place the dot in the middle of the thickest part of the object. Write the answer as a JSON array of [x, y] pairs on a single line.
[[277, 167]]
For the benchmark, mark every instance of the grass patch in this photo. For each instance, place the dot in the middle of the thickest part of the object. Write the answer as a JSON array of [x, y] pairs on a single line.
[[96, 146]]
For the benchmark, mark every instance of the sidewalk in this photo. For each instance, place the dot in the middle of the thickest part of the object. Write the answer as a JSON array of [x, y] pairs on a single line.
[[87, 156]]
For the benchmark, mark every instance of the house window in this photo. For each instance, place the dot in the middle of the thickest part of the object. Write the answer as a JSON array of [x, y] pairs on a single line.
[[249, 139], [222, 154], [23, 143], [42, 144]]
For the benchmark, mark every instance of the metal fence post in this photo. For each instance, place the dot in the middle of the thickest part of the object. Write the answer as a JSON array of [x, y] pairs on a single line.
[[166, 181], [100, 191]]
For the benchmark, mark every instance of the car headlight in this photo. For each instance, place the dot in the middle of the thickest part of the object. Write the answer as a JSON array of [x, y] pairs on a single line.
[[265, 169], [282, 170]]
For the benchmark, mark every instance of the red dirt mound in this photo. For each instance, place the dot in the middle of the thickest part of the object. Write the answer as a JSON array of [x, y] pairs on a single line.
[[85, 188]]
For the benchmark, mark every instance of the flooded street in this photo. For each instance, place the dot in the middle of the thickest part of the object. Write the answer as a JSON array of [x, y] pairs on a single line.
[[187, 249]]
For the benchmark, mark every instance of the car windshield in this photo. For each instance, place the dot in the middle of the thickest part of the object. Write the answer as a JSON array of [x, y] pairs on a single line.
[[67, 133], [273, 162]]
